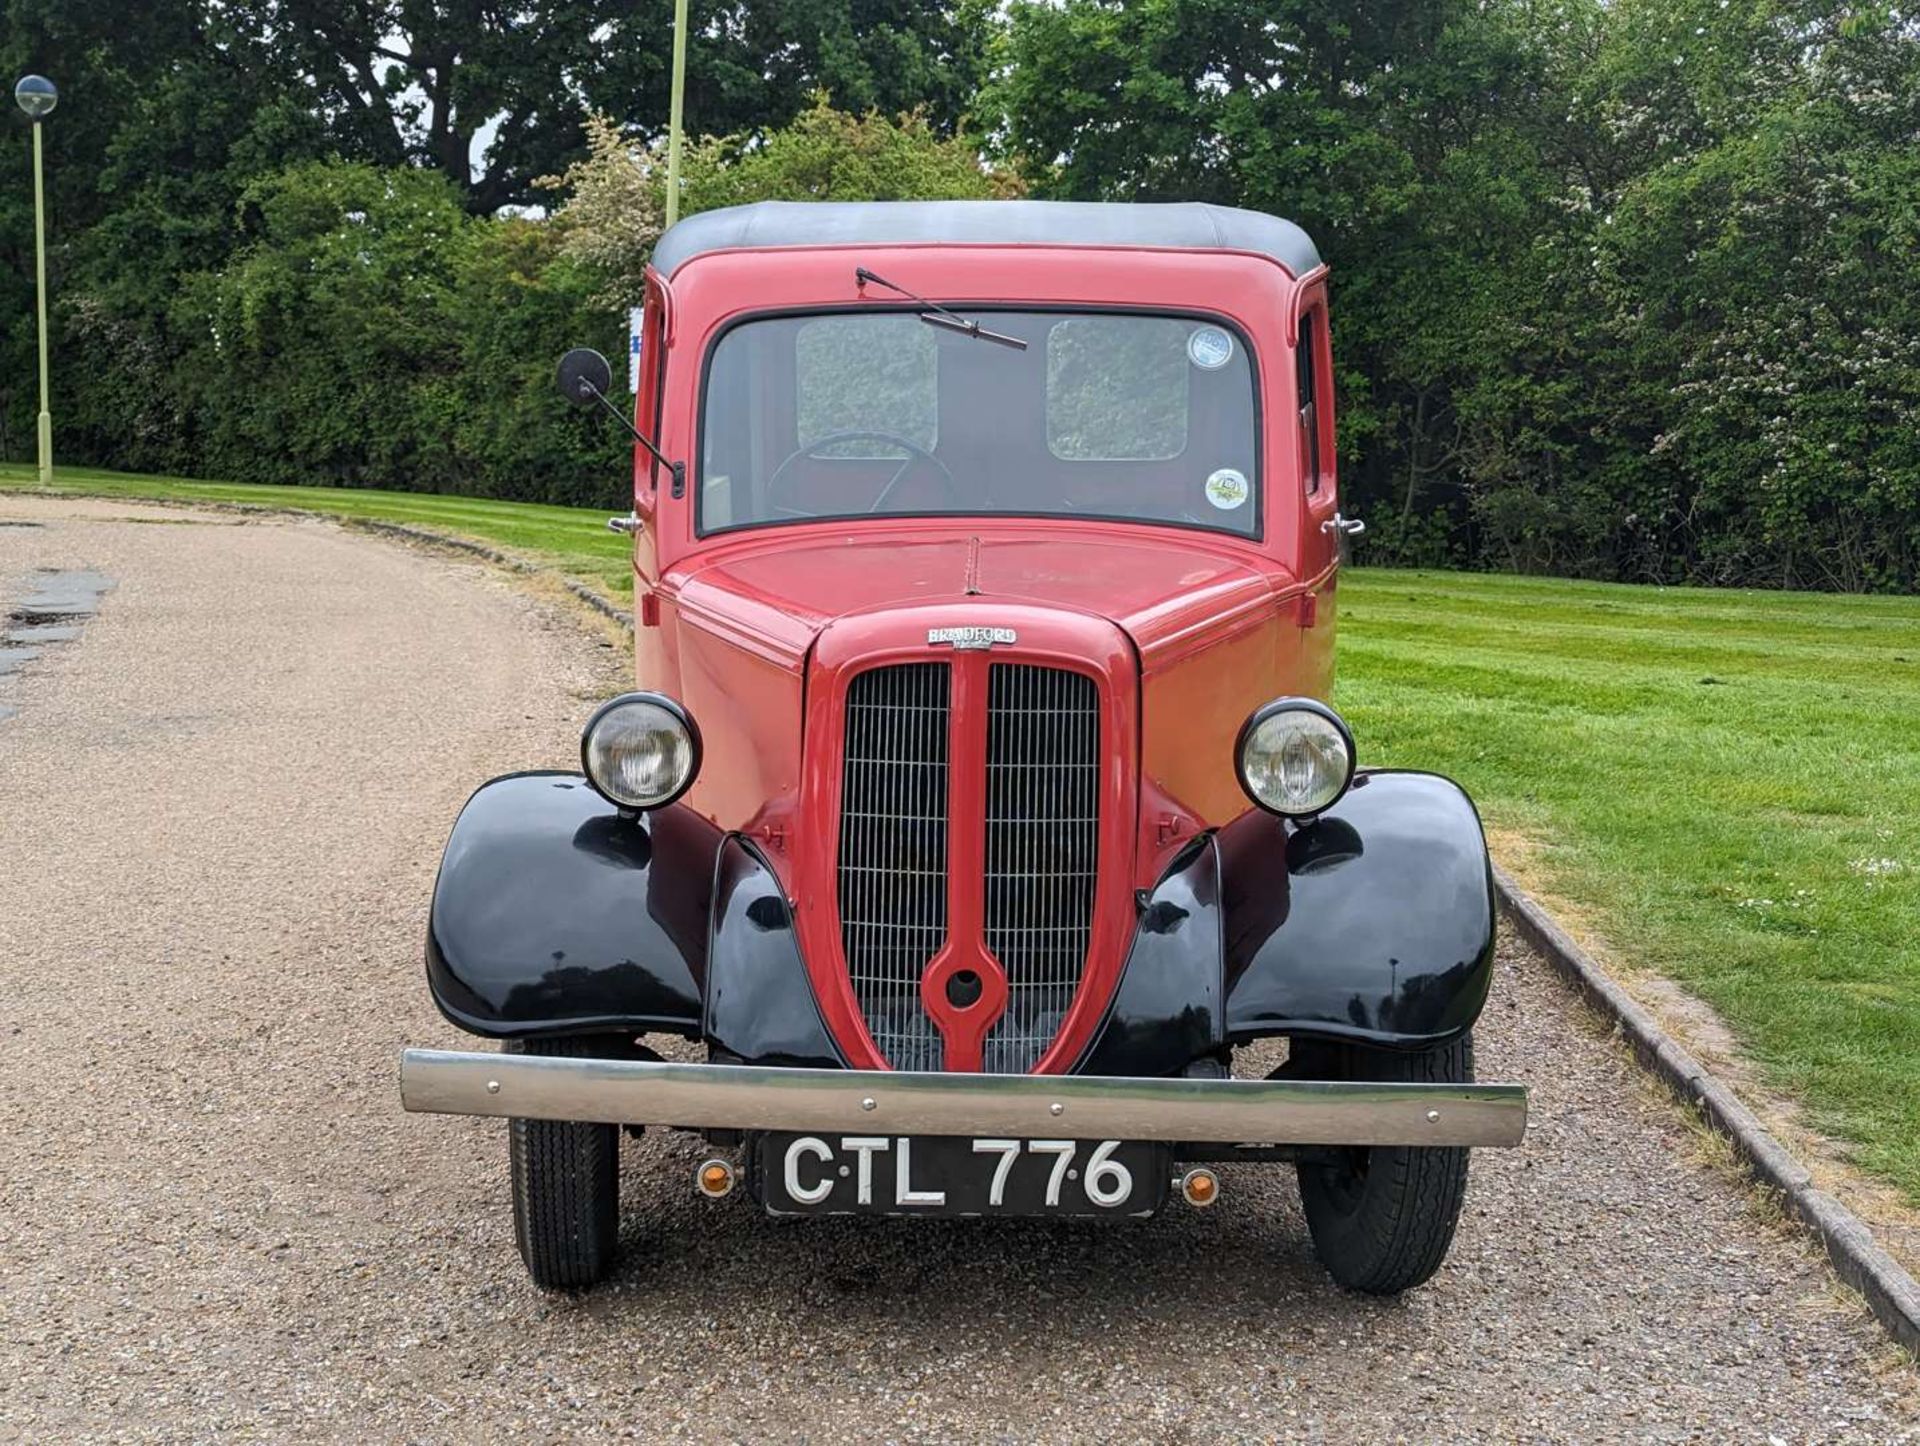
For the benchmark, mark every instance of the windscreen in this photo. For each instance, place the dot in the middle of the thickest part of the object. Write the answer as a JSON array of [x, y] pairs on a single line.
[[1130, 416]]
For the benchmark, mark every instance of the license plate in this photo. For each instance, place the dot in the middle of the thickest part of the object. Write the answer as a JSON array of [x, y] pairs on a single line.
[[954, 1175]]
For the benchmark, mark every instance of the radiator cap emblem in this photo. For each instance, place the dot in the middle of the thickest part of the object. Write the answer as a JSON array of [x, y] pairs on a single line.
[[970, 637]]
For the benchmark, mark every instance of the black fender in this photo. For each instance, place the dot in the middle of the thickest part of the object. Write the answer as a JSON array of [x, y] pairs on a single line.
[[554, 913], [760, 1004], [1374, 922], [1169, 1009]]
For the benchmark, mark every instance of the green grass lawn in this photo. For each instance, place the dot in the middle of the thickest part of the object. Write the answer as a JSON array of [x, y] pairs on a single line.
[[573, 540], [1724, 785], [1727, 784]]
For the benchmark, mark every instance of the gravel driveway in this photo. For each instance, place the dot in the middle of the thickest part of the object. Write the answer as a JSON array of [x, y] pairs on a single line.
[[221, 807]]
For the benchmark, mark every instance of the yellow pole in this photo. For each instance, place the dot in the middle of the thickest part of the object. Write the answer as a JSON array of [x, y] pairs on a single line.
[[40, 276], [674, 109]]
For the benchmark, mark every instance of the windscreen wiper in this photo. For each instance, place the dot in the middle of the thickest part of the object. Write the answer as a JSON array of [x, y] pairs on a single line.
[[937, 315]]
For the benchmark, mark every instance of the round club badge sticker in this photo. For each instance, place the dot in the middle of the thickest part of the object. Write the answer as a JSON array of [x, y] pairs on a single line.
[[1209, 348], [1227, 489]]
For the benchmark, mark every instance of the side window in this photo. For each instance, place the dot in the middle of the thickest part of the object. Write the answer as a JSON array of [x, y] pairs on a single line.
[[1307, 379], [652, 378], [1117, 389], [865, 374]]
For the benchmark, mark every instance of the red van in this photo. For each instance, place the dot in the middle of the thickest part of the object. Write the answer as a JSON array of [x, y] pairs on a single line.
[[979, 795]]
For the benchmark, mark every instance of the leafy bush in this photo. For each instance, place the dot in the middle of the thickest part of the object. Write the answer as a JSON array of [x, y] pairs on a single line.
[[370, 333], [615, 201], [1622, 288], [366, 330]]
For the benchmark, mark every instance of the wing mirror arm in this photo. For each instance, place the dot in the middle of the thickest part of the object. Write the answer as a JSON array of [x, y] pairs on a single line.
[[584, 378]]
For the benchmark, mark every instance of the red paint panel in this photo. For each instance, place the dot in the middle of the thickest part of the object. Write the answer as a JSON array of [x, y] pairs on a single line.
[[1169, 590], [1192, 707], [749, 710]]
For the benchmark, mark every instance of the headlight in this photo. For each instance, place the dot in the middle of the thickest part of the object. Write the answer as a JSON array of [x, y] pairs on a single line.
[[640, 751], [1295, 757]]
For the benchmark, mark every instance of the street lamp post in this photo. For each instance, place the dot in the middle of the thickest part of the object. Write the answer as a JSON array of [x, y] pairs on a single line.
[[676, 100], [37, 97]]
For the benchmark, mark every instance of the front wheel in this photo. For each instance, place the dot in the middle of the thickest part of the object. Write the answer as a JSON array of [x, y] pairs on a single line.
[[1383, 1216], [566, 1185]]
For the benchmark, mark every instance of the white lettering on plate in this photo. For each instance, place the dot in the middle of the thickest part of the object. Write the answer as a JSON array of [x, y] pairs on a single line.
[[821, 1151], [971, 637], [1008, 1151], [864, 1146], [903, 1191]]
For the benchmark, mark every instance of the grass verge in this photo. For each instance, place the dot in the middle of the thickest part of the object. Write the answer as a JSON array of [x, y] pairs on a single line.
[[1724, 787], [572, 540]]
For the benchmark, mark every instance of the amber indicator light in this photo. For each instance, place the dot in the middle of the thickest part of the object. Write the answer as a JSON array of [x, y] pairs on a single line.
[[1200, 1187]]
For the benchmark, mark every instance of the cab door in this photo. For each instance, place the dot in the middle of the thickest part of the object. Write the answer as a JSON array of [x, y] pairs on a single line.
[[1322, 527], [1312, 424], [652, 653]]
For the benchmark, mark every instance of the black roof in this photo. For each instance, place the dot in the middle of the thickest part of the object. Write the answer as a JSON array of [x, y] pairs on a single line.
[[1178, 224]]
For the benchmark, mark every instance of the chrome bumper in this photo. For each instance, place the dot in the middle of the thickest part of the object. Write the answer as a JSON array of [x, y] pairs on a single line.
[[750, 1097]]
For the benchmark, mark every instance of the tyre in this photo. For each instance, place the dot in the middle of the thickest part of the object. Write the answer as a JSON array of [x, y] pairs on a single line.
[[566, 1183], [1382, 1216]]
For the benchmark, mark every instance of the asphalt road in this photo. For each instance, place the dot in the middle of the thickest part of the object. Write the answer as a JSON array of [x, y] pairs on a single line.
[[221, 806]]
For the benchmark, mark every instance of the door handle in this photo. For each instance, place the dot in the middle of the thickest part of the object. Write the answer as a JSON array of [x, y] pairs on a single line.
[[1350, 526], [629, 524]]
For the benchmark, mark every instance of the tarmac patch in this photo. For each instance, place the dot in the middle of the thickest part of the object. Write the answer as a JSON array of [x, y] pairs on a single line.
[[71, 593], [53, 612]]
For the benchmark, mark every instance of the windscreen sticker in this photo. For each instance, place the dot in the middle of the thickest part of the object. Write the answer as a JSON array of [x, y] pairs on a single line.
[[1227, 489], [1209, 348]]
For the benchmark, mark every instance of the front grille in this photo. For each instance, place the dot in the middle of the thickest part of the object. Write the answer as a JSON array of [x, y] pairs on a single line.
[[1043, 818], [1041, 796], [893, 851]]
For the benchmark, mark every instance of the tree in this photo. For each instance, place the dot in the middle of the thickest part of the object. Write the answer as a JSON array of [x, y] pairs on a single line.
[[166, 113], [1622, 287], [491, 96], [1400, 135], [1772, 275]]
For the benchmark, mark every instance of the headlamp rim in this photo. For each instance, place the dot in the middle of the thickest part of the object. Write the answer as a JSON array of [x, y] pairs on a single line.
[[1291, 705], [658, 700]]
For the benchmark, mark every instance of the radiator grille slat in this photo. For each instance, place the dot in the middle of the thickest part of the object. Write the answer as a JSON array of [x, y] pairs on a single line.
[[893, 851], [1043, 816]]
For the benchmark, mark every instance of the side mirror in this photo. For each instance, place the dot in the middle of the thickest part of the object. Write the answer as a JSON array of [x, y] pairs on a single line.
[[585, 379], [585, 376]]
